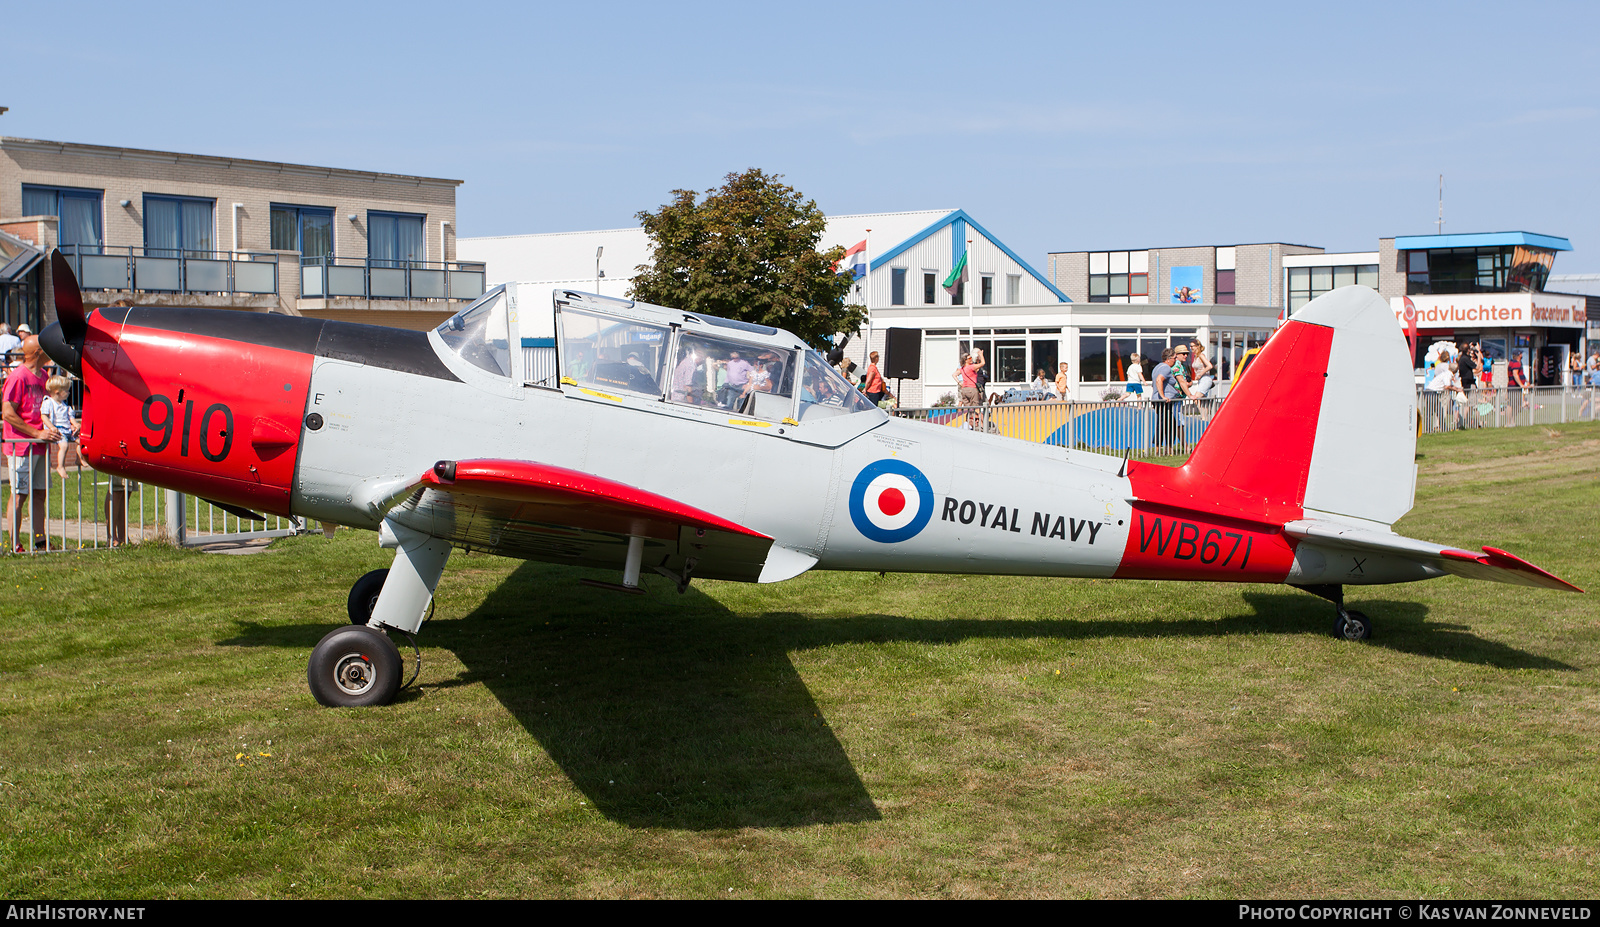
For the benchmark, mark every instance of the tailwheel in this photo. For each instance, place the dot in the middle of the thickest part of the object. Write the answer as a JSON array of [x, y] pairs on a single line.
[[1352, 626], [364, 596], [353, 667]]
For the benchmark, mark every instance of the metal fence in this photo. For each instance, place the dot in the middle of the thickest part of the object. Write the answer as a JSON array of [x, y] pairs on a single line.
[[1138, 425], [1156, 429], [1510, 407], [330, 277], [87, 510], [167, 270]]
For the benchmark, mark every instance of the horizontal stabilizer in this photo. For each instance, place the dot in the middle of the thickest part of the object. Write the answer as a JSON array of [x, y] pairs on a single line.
[[1492, 565]]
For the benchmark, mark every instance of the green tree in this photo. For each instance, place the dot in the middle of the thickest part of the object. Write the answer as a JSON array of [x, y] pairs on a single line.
[[748, 251]]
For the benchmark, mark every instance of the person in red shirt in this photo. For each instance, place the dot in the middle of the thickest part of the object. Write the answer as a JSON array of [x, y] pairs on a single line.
[[20, 407], [876, 389], [967, 379], [1517, 383]]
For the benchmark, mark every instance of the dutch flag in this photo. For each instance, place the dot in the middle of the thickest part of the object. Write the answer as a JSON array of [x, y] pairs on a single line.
[[855, 260]]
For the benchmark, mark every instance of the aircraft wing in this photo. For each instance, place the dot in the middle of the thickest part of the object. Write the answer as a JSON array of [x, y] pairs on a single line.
[[536, 511], [1493, 564]]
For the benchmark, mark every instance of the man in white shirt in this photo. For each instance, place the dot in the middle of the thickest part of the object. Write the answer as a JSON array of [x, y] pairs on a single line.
[[1438, 379]]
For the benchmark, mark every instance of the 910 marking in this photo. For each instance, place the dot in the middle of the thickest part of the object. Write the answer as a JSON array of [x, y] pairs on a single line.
[[169, 418]]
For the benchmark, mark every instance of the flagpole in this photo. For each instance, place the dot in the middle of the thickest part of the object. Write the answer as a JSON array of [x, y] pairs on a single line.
[[972, 333], [866, 299]]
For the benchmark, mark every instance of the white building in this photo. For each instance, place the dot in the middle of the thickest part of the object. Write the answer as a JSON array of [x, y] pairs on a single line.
[[1006, 307], [605, 261], [1096, 340]]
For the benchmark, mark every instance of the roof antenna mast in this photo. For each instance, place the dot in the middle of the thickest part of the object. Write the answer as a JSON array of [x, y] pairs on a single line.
[[1440, 223]]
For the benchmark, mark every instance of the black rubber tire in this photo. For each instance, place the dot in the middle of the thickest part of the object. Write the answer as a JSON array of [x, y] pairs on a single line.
[[1353, 626], [354, 666], [364, 596]]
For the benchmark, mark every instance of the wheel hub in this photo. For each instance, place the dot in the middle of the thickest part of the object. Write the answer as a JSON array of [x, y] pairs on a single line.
[[353, 673]]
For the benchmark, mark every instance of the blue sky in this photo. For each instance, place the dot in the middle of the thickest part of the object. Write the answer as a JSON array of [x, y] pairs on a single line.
[[1059, 127]]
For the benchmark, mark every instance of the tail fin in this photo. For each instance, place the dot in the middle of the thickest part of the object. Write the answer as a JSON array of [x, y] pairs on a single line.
[[1326, 421]]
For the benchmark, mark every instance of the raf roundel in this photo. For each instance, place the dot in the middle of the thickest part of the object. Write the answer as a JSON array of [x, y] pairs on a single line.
[[890, 501]]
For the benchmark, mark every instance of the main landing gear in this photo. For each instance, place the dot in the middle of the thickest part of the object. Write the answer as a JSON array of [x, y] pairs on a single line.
[[357, 664], [1348, 624]]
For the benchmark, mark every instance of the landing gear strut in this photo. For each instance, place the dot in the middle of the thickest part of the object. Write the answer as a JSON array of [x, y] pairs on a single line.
[[358, 665], [1348, 624]]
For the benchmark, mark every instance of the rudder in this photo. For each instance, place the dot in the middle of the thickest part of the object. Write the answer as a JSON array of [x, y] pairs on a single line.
[[1325, 420]]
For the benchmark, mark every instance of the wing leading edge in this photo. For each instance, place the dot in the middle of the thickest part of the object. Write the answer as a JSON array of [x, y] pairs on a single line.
[[537, 511]]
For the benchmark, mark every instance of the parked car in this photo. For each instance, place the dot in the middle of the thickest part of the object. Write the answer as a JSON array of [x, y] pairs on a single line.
[[1022, 394]]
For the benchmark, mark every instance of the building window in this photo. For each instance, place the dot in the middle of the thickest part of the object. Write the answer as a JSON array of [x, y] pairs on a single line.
[[1416, 273], [1477, 270], [1013, 289], [178, 225], [897, 286], [987, 291], [1008, 353], [1009, 362], [79, 212], [1092, 355], [930, 283], [1119, 277], [306, 229], [395, 239], [1104, 355], [1046, 355], [1228, 348], [1307, 283], [1225, 291], [1224, 295]]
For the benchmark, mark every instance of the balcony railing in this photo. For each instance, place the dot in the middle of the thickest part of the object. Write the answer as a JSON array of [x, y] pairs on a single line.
[[365, 278], [165, 270]]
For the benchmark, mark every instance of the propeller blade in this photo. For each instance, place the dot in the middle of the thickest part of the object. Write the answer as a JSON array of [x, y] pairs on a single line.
[[246, 514], [837, 353], [69, 301]]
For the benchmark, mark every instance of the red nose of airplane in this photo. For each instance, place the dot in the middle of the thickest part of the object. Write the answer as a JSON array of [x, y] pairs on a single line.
[[204, 401]]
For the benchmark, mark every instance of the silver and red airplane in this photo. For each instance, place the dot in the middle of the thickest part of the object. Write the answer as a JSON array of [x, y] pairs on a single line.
[[607, 433]]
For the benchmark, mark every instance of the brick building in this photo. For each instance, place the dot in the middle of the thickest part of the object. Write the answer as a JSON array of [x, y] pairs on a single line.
[[164, 228], [1249, 274], [1492, 287]]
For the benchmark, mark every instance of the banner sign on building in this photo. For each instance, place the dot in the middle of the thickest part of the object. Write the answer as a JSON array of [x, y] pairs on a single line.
[[1188, 284], [1493, 310]]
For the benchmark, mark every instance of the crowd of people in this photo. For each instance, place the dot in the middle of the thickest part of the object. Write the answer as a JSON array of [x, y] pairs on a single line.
[[1462, 389], [1183, 373], [36, 418], [40, 434], [1453, 385]]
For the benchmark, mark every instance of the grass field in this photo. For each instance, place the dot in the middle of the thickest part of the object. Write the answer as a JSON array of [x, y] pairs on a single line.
[[835, 736]]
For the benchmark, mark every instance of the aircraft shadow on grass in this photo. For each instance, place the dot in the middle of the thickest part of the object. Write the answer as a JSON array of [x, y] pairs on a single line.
[[669, 711]]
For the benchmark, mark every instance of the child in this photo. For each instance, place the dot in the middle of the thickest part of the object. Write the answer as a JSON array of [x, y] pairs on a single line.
[[56, 411]]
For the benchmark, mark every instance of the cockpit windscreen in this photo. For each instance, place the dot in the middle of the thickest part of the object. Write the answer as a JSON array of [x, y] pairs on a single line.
[[480, 333]]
